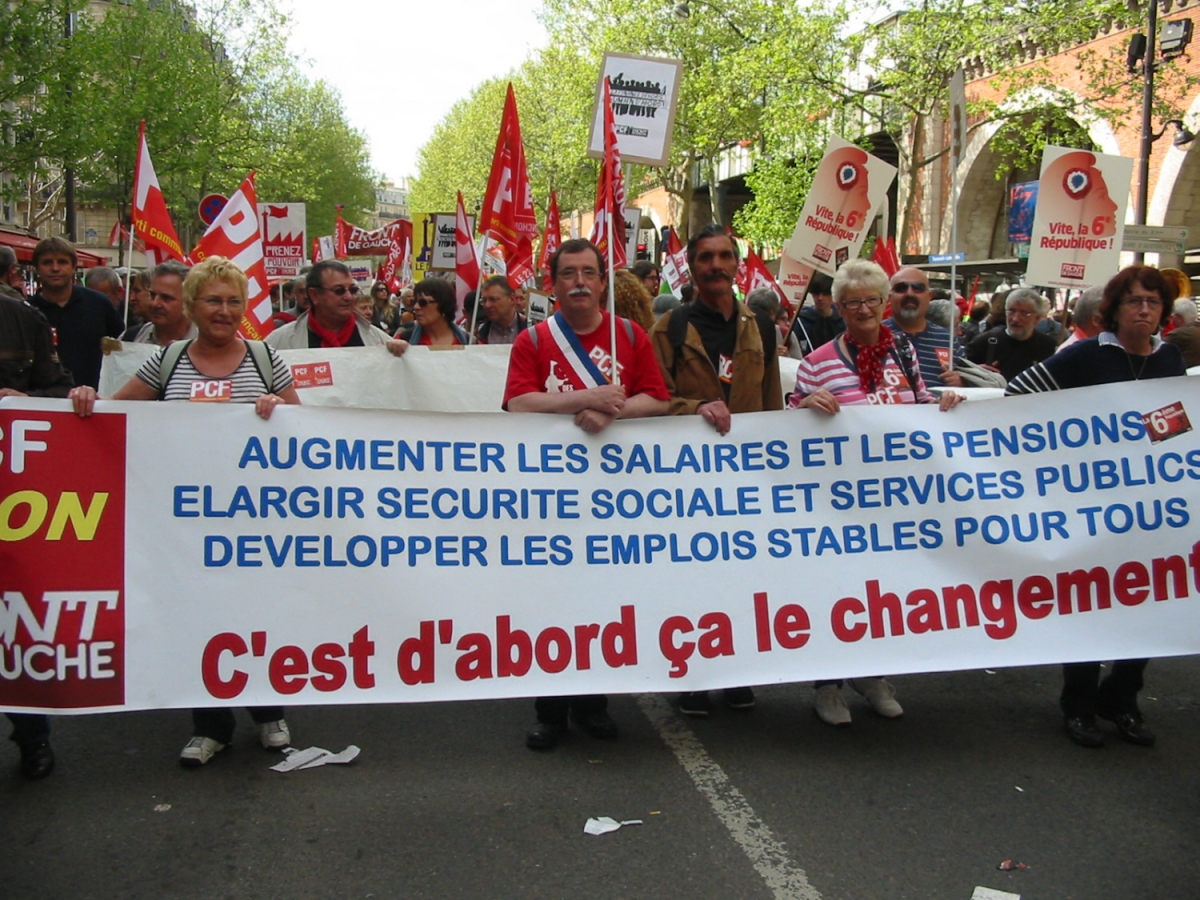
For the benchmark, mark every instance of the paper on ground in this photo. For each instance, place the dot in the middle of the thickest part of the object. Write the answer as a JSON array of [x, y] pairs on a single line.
[[604, 825], [314, 757], [984, 893]]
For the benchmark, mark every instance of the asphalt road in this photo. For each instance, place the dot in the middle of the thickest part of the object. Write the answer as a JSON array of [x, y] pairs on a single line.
[[446, 802]]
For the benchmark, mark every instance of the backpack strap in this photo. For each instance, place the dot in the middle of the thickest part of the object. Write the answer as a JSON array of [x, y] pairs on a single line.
[[261, 358], [170, 362]]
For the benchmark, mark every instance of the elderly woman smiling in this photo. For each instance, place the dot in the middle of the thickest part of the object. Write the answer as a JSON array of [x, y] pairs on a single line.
[[226, 368], [867, 364]]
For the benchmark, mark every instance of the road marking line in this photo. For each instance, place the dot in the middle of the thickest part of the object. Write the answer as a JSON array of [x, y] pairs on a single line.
[[767, 854]]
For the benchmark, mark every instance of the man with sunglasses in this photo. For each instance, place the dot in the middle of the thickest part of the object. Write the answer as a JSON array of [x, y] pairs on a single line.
[[330, 320], [908, 301]]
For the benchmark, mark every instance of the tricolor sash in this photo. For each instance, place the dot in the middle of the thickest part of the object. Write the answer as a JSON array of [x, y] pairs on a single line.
[[572, 350]]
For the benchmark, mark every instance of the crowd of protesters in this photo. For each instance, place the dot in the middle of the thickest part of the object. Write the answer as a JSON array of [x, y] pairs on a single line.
[[863, 338]]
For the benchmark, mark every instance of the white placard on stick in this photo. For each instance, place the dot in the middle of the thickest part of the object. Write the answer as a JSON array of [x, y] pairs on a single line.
[[645, 91]]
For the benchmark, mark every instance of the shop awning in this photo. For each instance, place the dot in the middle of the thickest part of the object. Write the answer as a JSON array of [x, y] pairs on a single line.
[[23, 244]]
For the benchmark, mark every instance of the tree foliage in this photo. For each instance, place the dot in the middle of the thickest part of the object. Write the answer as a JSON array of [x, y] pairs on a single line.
[[219, 94]]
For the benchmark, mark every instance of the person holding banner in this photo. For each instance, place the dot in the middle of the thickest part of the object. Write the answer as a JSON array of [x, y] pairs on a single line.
[[216, 366], [331, 320], [1136, 303], [867, 365], [909, 298], [435, 306], [565, 366], [717, 358]]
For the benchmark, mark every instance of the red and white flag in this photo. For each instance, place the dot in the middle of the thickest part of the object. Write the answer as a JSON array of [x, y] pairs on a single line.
[[610, 191], [399, 250], [507, 216], [350, 240], [551, 239], [675, 267], [466, 262], [151, 221], [235, 234], [753, 274]]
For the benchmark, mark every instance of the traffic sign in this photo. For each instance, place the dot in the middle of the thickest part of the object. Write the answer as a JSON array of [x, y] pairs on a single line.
[[211, 206], [1156, 232], [1137, 246], [943, 258]]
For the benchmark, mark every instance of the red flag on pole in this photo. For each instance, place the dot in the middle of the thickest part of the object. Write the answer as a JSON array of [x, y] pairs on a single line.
[[151, 221], [610, 191], [675, 268], [754, 274], [316, 250], [883, 257], [399, 250], [235, 234], [507, 216], [551, 239], [466, 263]]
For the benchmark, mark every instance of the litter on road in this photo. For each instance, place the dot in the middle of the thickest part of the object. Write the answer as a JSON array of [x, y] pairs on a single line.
[[314, 757], [604, 825]]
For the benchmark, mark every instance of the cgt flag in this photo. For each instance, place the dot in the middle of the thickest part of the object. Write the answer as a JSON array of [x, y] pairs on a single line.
[[151, 221], [610, 191], [466, 263], [551, 239], [235, 234], [753, 274], [507, 216]]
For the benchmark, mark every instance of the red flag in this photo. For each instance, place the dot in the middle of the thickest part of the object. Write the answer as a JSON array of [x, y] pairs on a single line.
[[350, 240], [466, 263], [754, 274], [610, 191], [316, 250], [151, 221], [507, 216], [891, 248], [882, 257], [235, 234], [551, 239], [399, 250], [675, 268]]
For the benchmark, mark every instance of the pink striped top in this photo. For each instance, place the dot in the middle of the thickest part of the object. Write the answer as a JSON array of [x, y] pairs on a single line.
[[830, 369]]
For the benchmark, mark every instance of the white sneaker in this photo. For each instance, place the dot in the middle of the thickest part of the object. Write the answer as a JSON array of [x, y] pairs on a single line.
[[198, 751], [880, 694], [274, 735], [830, 707]]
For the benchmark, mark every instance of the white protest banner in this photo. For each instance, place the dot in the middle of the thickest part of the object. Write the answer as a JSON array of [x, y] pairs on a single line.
[[283, 226], [1079, 221], [645, 93], [847, 190], [206, 557]]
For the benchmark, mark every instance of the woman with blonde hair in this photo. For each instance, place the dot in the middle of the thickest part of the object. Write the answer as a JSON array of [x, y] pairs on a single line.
[[633, 300]]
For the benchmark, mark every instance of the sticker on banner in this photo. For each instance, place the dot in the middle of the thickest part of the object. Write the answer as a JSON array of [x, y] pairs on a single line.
[[310, 375], [217, 390], [1167, 422]]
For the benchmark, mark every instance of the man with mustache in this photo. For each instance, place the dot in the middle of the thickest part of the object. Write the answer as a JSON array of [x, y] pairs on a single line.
[[909, 300], [565, 365], [718, 358]]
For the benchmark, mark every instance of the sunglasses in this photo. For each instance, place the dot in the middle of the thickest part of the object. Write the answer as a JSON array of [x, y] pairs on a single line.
[[422, 301], [903, 287], [341, 290]]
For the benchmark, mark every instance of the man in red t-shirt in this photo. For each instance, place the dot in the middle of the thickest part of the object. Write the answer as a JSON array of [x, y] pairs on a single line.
[[565, 365]]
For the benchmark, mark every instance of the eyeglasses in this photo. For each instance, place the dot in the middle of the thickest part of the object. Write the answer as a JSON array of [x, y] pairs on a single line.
[[903, 287], [571, 274], [1148, 302], [871, 303], [341, 290]]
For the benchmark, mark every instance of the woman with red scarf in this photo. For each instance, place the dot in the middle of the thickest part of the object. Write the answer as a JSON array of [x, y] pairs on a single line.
[[866, 364]]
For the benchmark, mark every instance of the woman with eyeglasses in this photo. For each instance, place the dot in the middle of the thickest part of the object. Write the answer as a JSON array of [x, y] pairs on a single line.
[[435, 307], [1136, 303], [233, 370], [866, 364]]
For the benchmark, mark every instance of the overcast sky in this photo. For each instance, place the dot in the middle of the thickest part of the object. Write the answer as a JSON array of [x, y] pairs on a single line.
[[401, 65]]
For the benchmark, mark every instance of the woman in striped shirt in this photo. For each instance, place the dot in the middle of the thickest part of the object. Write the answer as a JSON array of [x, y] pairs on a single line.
[[216, 366], [866, 364]]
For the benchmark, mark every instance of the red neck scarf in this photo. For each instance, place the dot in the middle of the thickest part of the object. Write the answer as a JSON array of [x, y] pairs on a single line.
[[870, 359], [331, 338]]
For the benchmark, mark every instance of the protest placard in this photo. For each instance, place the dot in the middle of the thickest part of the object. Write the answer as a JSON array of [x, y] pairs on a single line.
[[645, 92]]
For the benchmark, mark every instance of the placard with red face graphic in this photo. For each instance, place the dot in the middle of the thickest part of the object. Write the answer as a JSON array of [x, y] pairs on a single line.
[[1079, 222], [62, 560], [846, 192]]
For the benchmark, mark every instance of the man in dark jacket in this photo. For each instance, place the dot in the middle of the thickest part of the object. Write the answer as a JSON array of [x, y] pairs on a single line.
[[819, 323]]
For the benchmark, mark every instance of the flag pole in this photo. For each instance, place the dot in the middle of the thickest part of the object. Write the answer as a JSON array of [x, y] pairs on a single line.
[[478, 292], [612, 300], [128, 264]]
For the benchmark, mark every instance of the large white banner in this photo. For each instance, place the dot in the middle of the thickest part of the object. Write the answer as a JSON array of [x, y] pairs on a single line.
[[203, 556]]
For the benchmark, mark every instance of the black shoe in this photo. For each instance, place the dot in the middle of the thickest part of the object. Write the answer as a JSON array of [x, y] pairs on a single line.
[[545, 735], [739, 698], [1131, 728], [37, 760], [695, 703], [1083, 731], [598, 724]]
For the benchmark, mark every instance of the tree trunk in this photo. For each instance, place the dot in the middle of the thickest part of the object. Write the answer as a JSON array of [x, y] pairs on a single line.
[[913, 178]]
